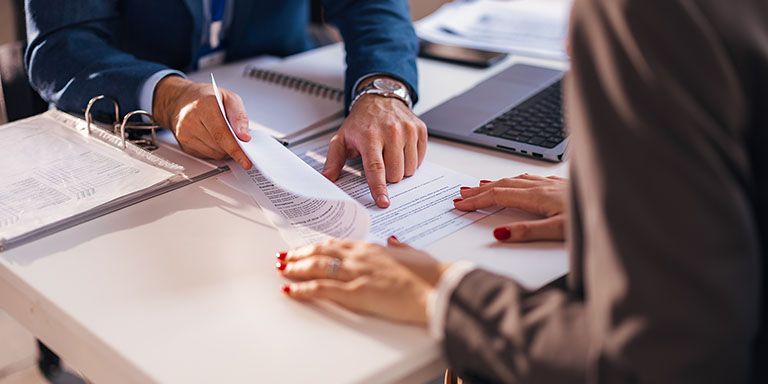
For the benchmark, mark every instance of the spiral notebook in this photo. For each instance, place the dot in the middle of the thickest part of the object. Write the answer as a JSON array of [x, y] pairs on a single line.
[[289, 100]]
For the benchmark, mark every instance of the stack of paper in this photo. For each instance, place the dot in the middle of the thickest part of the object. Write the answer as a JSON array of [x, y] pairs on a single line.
[[535, 28], [50, 173]]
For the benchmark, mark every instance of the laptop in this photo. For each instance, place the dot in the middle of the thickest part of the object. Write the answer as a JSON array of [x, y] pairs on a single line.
[[518, 110]]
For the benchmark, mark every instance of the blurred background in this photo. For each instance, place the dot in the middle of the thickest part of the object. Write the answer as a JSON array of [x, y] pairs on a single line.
[[8, 27], [10, 31]]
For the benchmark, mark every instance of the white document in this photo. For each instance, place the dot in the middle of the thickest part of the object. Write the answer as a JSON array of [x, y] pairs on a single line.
[[527, 27], [49, 172], [306, 207], [421, 206]]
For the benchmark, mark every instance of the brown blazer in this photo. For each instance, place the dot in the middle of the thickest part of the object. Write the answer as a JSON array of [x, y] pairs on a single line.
[[668, 105]]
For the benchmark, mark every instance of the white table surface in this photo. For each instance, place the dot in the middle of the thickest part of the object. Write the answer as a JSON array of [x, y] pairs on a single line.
[[182, 288]]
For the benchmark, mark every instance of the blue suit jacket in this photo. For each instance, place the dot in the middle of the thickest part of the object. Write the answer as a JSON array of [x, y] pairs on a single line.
[[81, 48]]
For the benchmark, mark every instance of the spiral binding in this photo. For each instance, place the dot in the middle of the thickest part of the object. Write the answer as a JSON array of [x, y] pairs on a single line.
[[296, 83]]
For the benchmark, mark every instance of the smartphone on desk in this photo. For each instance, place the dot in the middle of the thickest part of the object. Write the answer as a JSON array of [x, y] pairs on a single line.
[[459, 55]]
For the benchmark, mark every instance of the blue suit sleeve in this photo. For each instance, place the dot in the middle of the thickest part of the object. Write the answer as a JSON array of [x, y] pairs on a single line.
[[379, 38], [71, 55]]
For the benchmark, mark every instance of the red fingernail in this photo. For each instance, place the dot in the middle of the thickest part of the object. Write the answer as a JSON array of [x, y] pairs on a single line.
[[502, 233], [465, 188], [457, 200], [280, 266], [484, 181], [287, 289], [393, 237], [282, 255]]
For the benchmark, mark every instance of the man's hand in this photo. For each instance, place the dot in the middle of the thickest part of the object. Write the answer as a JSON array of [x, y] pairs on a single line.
[[190, 110], [390, 138]]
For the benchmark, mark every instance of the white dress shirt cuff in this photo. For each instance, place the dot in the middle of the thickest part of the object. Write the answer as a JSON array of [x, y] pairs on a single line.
[[437, 303], [147, 92]]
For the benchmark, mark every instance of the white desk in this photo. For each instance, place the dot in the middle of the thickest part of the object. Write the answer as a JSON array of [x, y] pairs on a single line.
[[182, 288]]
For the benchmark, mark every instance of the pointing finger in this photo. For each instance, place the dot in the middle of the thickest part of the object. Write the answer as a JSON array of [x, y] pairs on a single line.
[[373, 164]]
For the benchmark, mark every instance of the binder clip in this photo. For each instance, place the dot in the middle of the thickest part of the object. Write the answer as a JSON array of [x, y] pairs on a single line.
[[127, 130]]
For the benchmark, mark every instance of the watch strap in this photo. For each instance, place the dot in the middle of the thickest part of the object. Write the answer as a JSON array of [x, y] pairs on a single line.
[[371, 89]]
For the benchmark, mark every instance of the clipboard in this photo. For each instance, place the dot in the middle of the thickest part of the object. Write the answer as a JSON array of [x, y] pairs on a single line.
[[137, 139]]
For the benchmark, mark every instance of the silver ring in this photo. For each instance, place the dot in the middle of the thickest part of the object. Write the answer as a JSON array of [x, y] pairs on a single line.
[[333, 268]]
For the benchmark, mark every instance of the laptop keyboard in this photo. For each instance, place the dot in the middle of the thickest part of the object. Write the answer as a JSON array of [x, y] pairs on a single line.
[[537, 121]]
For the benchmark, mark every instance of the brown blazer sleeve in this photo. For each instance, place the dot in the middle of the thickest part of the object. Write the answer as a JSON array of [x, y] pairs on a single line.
[[496, 331], [669, 209]]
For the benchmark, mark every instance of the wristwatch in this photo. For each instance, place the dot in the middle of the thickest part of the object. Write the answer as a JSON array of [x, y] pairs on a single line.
[[386, 88]]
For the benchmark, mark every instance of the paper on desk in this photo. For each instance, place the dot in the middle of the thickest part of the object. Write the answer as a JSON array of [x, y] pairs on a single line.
[[526, 27], [302, 203], [306, 207], [421, 206]]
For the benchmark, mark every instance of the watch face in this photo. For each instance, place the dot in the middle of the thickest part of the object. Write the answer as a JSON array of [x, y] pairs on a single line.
[[387, 85]]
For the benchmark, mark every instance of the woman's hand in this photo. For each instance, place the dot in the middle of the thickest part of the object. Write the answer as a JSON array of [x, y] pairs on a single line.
[[392, 282], [544, 196]]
